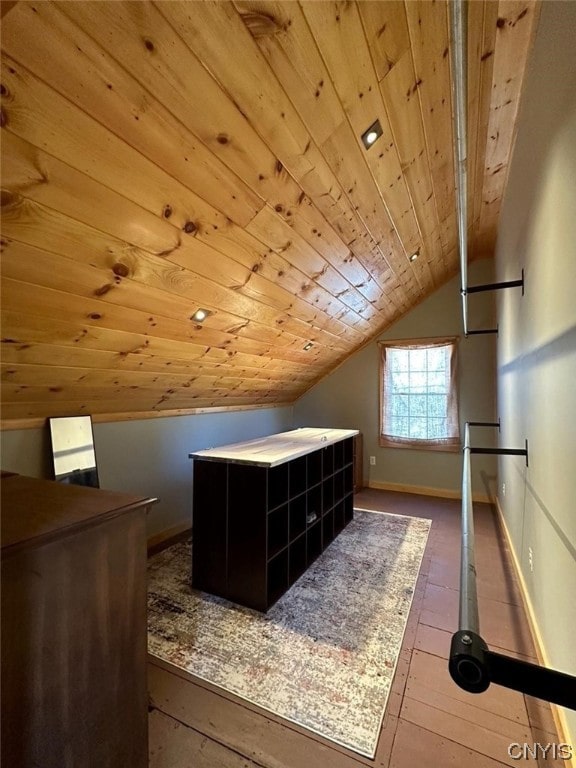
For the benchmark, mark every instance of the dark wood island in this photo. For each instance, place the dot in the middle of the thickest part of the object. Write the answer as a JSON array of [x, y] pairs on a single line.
[[263, 511]]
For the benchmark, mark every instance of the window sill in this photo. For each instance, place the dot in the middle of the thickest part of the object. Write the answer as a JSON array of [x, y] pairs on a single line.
[[444, 447]]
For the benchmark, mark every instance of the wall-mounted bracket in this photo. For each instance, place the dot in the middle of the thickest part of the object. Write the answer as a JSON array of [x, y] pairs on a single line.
[[495, 286], [477, 333], [485, 424], [504, 451], [487, 287]]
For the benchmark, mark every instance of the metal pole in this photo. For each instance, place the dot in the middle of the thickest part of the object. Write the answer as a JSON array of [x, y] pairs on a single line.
[[468, 620], [459, 58]]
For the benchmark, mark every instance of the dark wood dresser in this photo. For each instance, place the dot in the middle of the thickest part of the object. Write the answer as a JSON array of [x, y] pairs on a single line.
[[73, 621]]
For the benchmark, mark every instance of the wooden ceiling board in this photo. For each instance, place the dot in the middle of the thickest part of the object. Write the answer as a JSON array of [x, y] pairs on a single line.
[[158, 157], [61, 305], [213, 27], [116, 99], [204, 226], [386, 30], [47, 181], [77, 382], [514, 31], [400, 94], [31, 414], [130, 350], [28, 377], [481, 43], [36, 355], [283, 36], [429, 34], [338, 30], [145, 281], [58, 273]]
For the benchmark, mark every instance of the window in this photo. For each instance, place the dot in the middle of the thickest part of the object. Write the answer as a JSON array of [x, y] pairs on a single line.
[[418, 395]]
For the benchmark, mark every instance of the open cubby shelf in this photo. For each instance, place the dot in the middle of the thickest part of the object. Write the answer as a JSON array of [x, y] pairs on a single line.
[[257, 528]]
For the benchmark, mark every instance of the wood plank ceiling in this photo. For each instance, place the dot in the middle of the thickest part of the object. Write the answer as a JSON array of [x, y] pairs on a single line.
[[161, 157]]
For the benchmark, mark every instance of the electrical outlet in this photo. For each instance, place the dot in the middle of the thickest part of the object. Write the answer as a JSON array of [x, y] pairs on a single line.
[[503, 489], [531, 559], [372, 461]]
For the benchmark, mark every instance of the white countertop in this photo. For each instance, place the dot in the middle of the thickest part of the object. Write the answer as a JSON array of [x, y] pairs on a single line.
[[276, 449]]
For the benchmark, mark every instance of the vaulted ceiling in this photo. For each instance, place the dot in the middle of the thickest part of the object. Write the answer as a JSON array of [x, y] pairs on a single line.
[[163, 157]]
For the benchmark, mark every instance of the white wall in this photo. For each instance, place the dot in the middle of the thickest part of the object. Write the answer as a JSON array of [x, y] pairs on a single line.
[[149, 456], [348, 397], [537, 339]]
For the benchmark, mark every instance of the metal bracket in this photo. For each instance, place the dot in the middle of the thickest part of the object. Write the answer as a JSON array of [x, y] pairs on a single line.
[[485, 424], [491, 287], [477, 333], [504, 451], [494, 286]]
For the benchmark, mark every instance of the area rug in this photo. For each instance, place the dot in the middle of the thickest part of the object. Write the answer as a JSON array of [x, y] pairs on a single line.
[[325, 654]]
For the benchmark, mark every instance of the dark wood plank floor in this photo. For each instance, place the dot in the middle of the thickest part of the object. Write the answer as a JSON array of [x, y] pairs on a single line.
[[429, 721]]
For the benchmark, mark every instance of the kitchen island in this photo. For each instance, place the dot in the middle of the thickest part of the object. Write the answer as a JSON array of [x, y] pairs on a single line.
[[265, 509]]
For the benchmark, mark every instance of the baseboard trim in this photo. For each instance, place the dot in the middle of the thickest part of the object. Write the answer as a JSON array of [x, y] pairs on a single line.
[[422, 490], [557, 712], [164, 539]]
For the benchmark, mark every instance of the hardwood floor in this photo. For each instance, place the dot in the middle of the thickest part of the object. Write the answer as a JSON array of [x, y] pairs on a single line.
[[429, 721]]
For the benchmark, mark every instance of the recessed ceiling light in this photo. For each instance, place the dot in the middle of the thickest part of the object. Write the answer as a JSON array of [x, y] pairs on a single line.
[[413, 257], [200, 315], [371, 134], [308, 346]]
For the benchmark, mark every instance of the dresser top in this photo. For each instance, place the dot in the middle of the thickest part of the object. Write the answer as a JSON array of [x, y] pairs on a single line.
[[276, 449], [34, 511]]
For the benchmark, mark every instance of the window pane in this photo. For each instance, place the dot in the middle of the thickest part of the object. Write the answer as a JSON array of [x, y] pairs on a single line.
[[437, 357], [404, 426], [417, 406], [437, 406], [436, 429], [398, 426], [418, 429], [400, 382], [418, 382], [437, 382], [418, 359], [399, 405], [398, 359]]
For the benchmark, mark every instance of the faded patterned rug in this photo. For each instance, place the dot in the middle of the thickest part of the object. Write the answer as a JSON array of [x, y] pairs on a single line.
[[325, 654]]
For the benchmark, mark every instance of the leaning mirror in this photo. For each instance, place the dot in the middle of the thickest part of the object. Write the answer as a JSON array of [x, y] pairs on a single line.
[[73, 455]]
